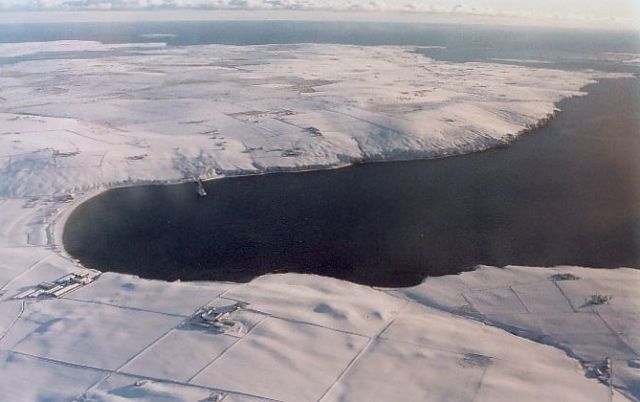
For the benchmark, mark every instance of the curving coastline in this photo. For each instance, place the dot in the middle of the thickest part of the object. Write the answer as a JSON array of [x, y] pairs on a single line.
[[495, 208], [299, 337], [56, 229]]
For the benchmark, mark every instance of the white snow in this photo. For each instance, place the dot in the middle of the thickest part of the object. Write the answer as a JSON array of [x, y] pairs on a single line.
[[281, 360], [152, 112], [77, 126], [529, 302], [25, 378], [86, 334], [196, 350], [126, 291], [31, 48]]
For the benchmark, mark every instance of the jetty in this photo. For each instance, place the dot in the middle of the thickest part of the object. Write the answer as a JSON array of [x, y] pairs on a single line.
[[201, 191]]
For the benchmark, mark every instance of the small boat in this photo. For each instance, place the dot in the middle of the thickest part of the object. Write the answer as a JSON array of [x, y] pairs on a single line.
[[201, 191]]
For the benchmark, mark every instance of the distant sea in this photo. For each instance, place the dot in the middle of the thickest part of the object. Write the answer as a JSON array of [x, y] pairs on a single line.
[[563, 47]]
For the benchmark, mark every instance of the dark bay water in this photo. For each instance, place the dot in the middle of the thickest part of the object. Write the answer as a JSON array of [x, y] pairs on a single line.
[[568, 193]]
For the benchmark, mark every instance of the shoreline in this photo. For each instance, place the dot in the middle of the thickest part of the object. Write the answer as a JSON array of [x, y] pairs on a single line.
[[61, 219], [56, 228], [493, 240]]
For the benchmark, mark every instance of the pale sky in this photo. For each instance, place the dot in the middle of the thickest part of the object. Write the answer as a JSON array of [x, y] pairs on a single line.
[[585, 12]]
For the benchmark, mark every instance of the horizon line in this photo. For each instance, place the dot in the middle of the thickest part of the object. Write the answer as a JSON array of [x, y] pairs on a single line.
[[178, 15]]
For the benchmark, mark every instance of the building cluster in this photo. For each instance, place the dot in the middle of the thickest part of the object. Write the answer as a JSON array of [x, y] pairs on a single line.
[[217, 319], [62, 286]]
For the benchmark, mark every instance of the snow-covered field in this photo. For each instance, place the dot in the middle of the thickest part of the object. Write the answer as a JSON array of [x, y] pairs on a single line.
[[118, 114], [122, 114]]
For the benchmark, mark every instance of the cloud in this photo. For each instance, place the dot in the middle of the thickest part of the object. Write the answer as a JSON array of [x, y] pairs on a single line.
[[585, 10], [324, 5]]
